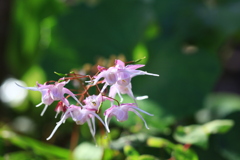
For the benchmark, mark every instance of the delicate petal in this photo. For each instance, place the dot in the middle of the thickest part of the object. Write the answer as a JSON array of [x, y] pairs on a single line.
[[67, 91], [112, 91], [56, 127], [94, 127], [123, 78], [44, 86], [65, 101], [104, 87], [120, 96], [30, 88], [61, 107], [99, 76], [119, 63], [121, 112], [57, 114], [46, 97], [142, 111], [141, 97], [138, 72], [111, 78], [39, 104], [91, 128], [101, 68], [134, 66], [139, 115], [107, 123], [101, 121], [121, 115], [121, 90], [55, 93], [44, 109]]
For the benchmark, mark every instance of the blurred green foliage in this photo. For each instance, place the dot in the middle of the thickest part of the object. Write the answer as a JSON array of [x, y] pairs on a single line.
[[183, 41]]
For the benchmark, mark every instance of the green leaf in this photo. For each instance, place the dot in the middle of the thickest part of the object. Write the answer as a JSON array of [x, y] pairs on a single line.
[[222, 104], [194, 134], [25, 155], [112, 154], [37, 147], [147, 157], [130, 151], [108, 153], [159, 142], [198, 134], [218, 126], [180, 153]]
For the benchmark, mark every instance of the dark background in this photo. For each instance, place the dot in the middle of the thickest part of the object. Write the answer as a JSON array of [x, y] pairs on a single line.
[[193, 46]]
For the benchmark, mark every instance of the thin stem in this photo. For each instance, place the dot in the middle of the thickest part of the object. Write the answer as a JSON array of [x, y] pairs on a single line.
[[112, 99]]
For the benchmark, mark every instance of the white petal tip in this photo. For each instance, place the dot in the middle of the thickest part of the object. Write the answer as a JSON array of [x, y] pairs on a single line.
[[141, 97]]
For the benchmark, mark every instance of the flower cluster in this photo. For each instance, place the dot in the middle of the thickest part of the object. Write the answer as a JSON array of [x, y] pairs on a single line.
[[118, 77]]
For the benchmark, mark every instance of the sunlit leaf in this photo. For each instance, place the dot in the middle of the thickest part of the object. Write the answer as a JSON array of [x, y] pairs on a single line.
[[159, 142], [218, 126], [130, 152], [37, 147], [193, 134], [180, 153], [139, 52], [198, 134], [147, 157]]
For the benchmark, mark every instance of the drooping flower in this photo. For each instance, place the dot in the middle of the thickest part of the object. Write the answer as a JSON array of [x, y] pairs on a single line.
[[121, 112], [119, 74], [80, 116], [126, 73], [119, 89], [51, 93], [93, 101], [61, 107]]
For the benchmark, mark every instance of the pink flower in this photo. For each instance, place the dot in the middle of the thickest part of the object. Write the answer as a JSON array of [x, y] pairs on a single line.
[[125, 73], [80, 116], [61, 107], [93, 102], [121, 113], [51, 93], [119, 74], [119, 89]]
